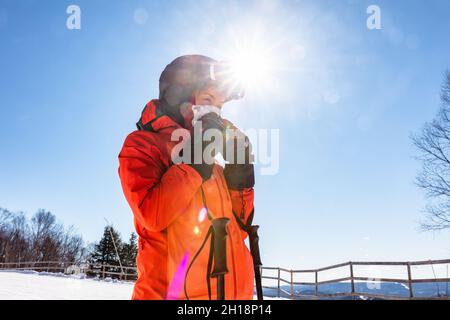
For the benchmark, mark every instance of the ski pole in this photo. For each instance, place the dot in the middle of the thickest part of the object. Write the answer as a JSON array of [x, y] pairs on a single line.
[[254, 249], [220, 254]]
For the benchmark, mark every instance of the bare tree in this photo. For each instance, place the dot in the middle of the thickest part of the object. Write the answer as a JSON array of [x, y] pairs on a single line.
[[41, 239], [13, 236], [18, 238], [72, 247], [45, 237], [5, 219], [433, 143]]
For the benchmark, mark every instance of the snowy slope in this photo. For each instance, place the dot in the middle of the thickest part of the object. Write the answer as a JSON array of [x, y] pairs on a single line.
[[36, 286], [31, 285]]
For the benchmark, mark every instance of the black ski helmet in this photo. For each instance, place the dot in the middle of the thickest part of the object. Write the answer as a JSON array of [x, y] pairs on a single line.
[[188, 73]]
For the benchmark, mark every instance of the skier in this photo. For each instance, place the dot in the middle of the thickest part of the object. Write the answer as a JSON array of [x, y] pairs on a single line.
[[172, 202]]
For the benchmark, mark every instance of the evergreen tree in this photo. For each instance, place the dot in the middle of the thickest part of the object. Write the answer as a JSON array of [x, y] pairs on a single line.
[[129, 252], [105, 252]]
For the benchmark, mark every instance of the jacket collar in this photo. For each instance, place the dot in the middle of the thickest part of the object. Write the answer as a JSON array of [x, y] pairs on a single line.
[[153, 119]]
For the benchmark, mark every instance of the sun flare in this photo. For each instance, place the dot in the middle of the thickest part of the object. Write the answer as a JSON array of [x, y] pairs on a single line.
[[251, 61]]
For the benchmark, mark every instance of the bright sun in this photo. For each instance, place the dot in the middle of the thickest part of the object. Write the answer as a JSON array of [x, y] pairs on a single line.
[[251, 62], [252, 56], [251, 68]]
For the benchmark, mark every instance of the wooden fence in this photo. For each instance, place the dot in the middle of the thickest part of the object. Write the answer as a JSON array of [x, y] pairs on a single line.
[[101, 270], [129, 273], [352, 279]]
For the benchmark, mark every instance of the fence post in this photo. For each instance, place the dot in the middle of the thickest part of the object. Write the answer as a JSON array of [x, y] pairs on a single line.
[[292, 285], [352, 278], [411, 295], [317, 283], [103, 270], [279, 281]]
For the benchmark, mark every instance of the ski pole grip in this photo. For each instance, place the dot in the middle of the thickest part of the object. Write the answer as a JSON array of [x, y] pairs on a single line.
[[254, 245], [220, 246]]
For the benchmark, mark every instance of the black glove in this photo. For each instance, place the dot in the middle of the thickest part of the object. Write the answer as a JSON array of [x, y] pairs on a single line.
[[239, 176], [239, 172], [208, 121], [212, 121]]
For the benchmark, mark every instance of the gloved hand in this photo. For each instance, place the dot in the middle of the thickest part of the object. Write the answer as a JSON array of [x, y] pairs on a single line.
[[239, 172], [208, 121], [212, 121]]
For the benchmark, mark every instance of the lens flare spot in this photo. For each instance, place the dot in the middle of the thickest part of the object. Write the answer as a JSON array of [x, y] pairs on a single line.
[[177, 282], [202, 215], [196, 230]]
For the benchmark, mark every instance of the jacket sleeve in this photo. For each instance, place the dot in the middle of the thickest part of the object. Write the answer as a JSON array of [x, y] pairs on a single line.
[[242, 201], [156, 195]]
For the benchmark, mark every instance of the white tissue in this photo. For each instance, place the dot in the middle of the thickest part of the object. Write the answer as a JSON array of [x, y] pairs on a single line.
[[200, 110]]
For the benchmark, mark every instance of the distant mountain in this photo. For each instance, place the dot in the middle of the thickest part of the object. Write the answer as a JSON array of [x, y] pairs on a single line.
[[386, 288]]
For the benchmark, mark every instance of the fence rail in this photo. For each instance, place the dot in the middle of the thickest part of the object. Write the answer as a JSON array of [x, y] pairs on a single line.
[[352, 279], [101, 270], [130, 273]]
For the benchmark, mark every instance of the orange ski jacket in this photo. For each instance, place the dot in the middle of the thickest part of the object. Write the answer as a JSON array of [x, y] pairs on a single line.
[[170, 217]]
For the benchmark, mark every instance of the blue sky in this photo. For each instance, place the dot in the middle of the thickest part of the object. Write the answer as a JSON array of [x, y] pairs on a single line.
[[344, 98]]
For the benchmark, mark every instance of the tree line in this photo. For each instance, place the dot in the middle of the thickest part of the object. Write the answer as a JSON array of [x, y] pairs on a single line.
[[42, 238]]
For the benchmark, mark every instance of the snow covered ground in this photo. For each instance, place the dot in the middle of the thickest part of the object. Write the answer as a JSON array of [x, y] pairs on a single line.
[[31, 285]]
